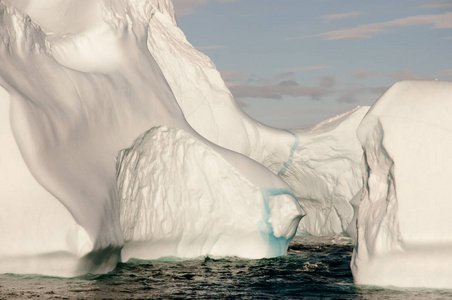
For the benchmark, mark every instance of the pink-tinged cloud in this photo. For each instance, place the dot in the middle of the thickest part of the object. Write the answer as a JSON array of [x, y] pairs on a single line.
[[360, 93], [404, 74], [277, 92], [438, 4], [243, 85], [445, 74], [329, 18], [233, 75], [310, 68], [213, 47], [327, 81], [439, 21], [187, 7]]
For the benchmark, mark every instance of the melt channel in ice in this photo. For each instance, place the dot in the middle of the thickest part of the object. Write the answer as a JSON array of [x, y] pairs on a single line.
[[404, 225]]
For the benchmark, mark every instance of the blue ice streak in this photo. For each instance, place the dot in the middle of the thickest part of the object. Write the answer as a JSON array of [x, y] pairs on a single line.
[[277, 245], [290, 160]]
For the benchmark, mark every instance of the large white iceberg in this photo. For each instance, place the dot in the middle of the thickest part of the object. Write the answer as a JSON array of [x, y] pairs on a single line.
[[81, 80], [404, 225]]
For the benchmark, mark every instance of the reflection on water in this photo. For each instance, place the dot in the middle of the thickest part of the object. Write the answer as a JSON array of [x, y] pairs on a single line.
[[314, 267]]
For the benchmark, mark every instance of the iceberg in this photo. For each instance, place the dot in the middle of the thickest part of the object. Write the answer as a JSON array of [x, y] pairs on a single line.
[[180, 198], [70, 106], [325, 173], [320, 164], [403, 220], [93, 94]]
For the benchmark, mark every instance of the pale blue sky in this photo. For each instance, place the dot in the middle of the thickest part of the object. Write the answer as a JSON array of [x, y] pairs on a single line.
[[294, 63]]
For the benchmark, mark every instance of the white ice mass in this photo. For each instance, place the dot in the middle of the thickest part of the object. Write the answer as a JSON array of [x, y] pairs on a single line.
[[404, 224], [183, 199], [120, 140]]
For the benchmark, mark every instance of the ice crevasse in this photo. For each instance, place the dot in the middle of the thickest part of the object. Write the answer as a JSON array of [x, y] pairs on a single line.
[[403, 222], [90, 100]]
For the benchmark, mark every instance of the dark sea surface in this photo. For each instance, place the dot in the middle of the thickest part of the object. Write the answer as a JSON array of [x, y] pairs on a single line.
[[313, 268]]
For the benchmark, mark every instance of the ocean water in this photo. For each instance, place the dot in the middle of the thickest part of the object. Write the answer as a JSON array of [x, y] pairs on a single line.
[[313, 268]]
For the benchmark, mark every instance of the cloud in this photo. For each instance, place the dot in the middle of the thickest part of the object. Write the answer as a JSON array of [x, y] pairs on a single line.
[[187, 7], [274, 79], [360, 93], [241, 103], [359, 32], [327, 81], [328, 110], [233, 75], [368, 31], [277, 91], [362, 73], [310, 68], [444, 73], [404, 74], [288, 83], [438, 4], [210, 47], [329, 18], [243, 85]]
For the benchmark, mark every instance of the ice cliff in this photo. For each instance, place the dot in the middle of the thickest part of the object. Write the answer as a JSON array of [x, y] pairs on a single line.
[[404, 225], [87, 85]]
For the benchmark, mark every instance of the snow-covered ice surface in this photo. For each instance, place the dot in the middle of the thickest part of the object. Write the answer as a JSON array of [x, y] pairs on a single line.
[[404, 224], [81, 81]]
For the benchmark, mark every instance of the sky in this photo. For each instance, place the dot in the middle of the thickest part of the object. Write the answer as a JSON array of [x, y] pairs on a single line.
[[294, 63]]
